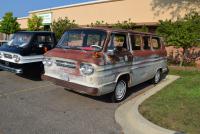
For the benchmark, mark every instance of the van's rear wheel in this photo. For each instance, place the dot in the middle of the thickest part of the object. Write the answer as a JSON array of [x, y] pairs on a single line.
[[157, 77], [120, 91]]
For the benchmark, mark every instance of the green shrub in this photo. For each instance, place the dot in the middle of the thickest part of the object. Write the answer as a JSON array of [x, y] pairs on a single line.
[[62, 25]]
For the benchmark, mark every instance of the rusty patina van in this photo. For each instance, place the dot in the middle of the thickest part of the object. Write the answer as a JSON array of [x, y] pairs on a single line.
[[98, 61]]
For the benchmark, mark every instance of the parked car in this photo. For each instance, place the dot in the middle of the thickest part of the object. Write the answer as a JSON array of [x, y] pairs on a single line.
[[98, 61], [24, 51], [2, 42]]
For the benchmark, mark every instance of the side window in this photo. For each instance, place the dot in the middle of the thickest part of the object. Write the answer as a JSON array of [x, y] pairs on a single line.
[[136, 42], [155, 42], [44, 39], [146, 43], [118, 42]]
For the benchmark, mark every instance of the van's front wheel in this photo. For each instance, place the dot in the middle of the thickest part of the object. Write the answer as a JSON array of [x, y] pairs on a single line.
[[157, 77], [120, 91]]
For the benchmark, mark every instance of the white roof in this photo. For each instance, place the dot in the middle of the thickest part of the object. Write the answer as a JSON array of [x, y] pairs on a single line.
[[21, 18]]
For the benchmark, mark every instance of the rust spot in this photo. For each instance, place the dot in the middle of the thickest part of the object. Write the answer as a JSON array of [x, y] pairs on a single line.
[[80, 56]]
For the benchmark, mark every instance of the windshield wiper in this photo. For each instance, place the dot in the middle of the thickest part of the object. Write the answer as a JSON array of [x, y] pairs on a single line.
[[69, 47]]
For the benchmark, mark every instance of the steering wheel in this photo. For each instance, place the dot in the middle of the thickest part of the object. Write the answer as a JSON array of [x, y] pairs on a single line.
[[96, 46]]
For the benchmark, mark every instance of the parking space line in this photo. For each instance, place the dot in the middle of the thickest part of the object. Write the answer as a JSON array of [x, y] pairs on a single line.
[[24, 90]]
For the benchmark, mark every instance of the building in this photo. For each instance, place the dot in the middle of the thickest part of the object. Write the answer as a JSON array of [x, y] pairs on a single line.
[[142, 12]]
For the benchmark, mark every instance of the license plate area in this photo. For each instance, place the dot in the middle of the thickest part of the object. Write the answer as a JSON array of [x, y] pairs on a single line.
[[7, 63]]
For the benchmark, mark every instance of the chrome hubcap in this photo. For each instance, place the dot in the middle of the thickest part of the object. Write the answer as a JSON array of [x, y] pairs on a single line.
[[120, 90], [157, 77]]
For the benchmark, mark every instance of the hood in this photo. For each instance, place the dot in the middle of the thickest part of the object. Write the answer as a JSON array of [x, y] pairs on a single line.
[[15, 49], [78, 55]]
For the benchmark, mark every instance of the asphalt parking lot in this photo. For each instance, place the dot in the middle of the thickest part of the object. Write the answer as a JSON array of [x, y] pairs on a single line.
[[31, 106]]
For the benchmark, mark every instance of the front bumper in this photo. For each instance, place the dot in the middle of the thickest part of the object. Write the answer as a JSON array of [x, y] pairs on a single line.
[[72, 86], [11, 69]]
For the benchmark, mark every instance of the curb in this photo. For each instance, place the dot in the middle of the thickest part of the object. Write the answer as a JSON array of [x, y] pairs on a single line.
[[132, 122]]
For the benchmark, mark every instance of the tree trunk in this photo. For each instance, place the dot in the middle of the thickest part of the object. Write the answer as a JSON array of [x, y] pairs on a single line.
[[6, 37], [183, 56]]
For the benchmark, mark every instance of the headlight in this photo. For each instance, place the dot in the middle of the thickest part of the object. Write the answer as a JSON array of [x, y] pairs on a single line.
[[47, 61], [16, 58], [86, 69]]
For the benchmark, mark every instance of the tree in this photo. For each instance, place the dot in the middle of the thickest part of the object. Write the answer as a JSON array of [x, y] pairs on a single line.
[[182, 33], [9, 24], [125, 25], [62, 25], [175, 7], [34, 23], [99, 23]]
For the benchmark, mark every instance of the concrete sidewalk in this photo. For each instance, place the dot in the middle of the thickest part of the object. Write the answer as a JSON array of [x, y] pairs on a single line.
[[132, 122]]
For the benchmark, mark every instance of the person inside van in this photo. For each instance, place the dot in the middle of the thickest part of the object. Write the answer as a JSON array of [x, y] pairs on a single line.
[[119, 43]]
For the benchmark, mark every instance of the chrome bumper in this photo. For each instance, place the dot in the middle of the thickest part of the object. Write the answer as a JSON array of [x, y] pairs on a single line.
[[10, 69]]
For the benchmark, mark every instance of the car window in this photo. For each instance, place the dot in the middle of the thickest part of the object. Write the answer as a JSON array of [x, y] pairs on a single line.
[[44, 39], [146, 43], [118, 42], [136, 42], [155, 42], [75, 39], [86, 39], [94, 39]]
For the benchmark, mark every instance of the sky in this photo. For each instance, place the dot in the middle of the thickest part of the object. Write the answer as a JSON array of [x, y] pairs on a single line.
[[20, 8]]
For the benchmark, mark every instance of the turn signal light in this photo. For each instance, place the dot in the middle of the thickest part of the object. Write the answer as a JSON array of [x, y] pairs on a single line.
[[97, 55], [45, 49]]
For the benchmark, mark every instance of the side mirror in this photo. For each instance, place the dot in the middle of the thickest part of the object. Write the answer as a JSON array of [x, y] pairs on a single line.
[[41, 45], [111, 52]]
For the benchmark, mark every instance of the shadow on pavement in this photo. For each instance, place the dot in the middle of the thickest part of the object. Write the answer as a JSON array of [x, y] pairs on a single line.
[[31, 75], [131, 92]]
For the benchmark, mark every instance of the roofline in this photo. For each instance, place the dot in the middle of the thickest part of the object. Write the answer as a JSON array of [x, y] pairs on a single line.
[[147, 23], [20, 18], [74, 5], [35, 32], [136, 24]]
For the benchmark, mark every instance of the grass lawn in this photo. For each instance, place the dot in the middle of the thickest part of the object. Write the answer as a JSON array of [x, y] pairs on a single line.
[[177, 106]]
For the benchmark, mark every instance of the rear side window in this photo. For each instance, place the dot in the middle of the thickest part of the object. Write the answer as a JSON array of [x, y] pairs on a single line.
[[136, 42], [146, 43], [155, 42]]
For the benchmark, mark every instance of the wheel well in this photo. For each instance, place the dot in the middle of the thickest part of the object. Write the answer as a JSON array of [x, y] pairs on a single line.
[[160, 69], [125, 77]]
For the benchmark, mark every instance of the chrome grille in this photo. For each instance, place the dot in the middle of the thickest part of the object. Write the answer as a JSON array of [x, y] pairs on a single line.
[[8, 56], [68, 64]]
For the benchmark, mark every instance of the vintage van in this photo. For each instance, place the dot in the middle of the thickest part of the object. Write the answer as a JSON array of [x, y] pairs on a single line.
[[24, 51], [98, 61]]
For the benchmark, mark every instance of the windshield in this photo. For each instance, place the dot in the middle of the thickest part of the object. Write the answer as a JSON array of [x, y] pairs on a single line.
[[20, 39], [89, 40]]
